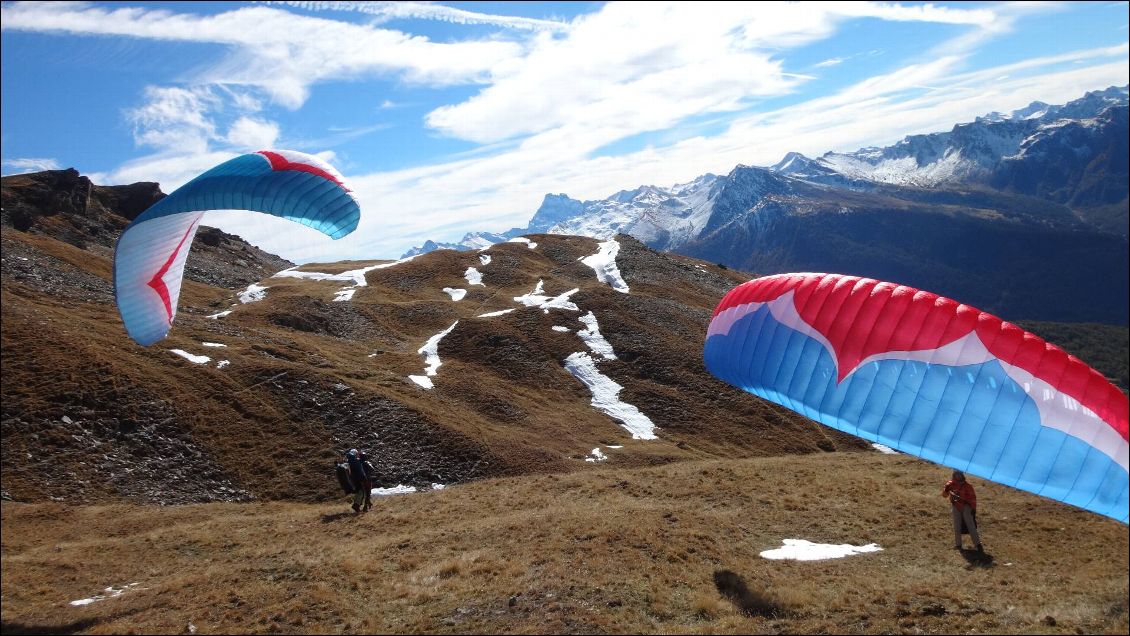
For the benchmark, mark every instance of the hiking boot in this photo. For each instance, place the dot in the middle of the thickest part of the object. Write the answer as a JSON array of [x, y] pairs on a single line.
[[980, 549], [356, 508]]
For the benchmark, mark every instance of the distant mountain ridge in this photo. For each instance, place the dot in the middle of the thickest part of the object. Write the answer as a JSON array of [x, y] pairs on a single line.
[[979, 151], [1039, 193]]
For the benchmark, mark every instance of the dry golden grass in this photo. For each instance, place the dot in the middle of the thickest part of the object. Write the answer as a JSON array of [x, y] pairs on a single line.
[[605, 550]]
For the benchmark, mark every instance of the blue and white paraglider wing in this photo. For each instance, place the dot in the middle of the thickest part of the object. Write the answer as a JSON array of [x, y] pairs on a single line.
[[931, 377], [151, 252]]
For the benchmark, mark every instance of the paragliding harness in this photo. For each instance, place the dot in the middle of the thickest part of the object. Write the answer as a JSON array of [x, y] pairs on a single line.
[[954, 498], [367, 480], [341, 469]]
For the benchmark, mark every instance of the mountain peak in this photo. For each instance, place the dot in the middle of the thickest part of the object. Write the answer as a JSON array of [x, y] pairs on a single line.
[[790, 162], [554, 209]]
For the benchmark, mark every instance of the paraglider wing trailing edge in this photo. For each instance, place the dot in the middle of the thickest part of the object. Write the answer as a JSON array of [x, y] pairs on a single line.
[[151, 252], [930, 377]]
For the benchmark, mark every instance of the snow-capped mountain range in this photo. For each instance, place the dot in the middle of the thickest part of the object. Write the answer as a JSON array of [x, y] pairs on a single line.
[[973, 151], [1048, 151]]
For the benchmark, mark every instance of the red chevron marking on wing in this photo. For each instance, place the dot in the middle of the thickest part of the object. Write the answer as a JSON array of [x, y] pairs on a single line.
[[158, 280], [279, 162]]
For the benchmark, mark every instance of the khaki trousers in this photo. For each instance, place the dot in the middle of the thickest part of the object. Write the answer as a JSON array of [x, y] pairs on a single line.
[[965, 512]]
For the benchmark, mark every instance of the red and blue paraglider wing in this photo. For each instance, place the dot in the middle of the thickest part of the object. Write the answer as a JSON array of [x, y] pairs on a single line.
[[930, 377], [151, 252]]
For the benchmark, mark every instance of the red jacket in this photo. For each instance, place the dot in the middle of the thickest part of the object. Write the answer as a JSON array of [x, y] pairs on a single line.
[[960, 493]]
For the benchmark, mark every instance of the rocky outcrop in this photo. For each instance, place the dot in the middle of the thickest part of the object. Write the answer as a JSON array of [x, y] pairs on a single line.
[[65, 205]]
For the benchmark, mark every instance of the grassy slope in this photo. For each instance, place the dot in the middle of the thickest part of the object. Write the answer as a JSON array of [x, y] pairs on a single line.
[[321, 375], [610, 550]]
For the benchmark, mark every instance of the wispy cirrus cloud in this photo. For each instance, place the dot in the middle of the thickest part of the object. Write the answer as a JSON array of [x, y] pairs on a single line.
[[277, 51], [697, 58], [29, 164], [981, 17], [187, 129], [425, 11], [595, 80], [184, 120], [337, 135], [832, 61], [272, 55]]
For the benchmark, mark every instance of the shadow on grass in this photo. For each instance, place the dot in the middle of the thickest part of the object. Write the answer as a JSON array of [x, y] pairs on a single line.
[[15, 627], [977, 559], [748, 602], [11, 627], [338, 516]]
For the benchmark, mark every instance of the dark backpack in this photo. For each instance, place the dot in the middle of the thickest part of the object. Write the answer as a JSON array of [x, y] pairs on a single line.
[[342, 472]]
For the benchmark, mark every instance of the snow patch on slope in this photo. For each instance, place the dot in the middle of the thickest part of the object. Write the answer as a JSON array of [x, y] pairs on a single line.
[[254, 293], [355, 276], [430, 351], [604, 264], [605, 396], [538, 298], [593, 339], [474, 277], [801, 550]]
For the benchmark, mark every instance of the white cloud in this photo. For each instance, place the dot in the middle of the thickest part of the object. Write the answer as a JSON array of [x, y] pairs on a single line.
[[179, 123], [339, 135], [328, 156], [833, 61], [280, 52], [174, 117], [424, 11], [29, 164], [1049, 61], [171, 170], [248, 133], [638, 67], [243, 101], [602, 78], [855, 117], [915, 13]]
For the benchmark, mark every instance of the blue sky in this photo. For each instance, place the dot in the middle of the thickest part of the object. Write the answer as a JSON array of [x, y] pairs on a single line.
[[453, 117]]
